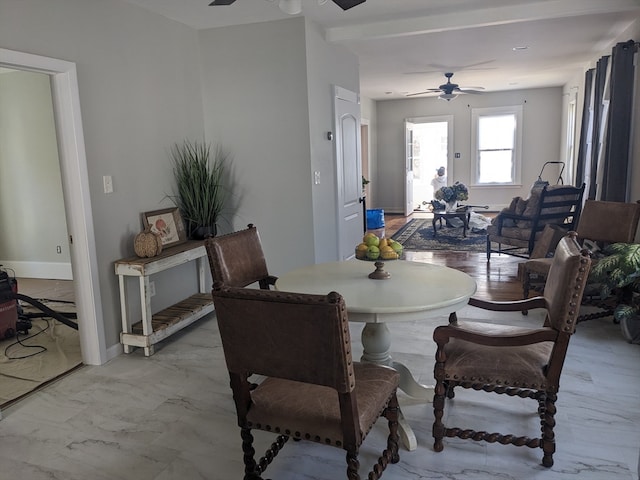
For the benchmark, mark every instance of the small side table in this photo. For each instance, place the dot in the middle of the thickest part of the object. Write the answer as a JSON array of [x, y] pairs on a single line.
[[464, 215], [154, 328]]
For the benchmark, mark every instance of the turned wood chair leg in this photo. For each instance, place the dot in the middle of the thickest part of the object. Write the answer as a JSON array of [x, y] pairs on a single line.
[[250, 464], [548, 436], [526, 285], [438, 404], [353, 465], [391, 415]]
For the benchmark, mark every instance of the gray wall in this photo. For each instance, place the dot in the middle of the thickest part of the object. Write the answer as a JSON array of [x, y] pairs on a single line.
[[542, 114], [146, 82], [31, 205], [327, 65], [369, 115], [139, 81], [267, 98]]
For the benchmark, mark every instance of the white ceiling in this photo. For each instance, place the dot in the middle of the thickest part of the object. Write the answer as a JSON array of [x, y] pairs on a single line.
[[405, 46]]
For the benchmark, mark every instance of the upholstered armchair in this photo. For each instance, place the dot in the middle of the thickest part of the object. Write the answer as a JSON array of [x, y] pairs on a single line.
[[237, 259], [601, 223], [515, 229], [513, 359], [311, 389]]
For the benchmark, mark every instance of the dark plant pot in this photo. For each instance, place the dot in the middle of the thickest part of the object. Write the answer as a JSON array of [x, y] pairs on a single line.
[[200, 232]]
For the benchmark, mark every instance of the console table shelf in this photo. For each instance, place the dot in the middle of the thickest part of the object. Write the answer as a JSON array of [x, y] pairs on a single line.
[[156, 327]]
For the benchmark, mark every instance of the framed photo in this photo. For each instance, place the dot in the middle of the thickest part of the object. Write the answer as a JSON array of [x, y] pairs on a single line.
[[168, 224]]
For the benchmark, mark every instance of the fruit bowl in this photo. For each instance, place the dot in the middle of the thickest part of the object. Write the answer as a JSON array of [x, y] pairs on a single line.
[[378, 250]]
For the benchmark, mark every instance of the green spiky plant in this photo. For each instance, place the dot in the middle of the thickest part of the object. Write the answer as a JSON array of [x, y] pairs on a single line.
[[200, 192], [618, 272]]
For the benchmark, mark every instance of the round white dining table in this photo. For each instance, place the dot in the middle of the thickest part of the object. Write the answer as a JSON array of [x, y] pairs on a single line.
[[414, 291]]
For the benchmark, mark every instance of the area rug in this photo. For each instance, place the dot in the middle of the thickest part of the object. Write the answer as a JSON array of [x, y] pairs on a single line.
[[417, 235]]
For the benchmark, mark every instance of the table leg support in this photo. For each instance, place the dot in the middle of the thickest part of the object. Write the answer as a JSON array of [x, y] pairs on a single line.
[[376, 343]]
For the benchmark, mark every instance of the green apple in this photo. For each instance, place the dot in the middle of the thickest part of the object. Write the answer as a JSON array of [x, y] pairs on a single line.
[[373, 253]]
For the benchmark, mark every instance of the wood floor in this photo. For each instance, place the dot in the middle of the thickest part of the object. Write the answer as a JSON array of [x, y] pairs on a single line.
[[496, 280]]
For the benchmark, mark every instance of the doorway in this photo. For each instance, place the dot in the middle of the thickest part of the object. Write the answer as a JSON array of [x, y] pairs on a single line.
[[430, 147], [77, 201]]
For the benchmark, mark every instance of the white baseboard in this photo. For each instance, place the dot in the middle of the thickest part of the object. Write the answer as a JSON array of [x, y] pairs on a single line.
[[47, 270], [114, 351]]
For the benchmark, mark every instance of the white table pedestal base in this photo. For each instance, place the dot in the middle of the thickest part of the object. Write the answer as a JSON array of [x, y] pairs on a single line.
[[376, 343]]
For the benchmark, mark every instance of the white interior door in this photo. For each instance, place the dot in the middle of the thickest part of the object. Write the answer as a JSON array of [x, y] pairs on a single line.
[[348, 171]]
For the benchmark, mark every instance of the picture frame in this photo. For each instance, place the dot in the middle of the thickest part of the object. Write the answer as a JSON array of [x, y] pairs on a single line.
[[168, 224]]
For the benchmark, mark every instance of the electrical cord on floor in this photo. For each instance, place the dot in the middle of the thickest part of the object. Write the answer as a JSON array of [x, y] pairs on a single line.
[[29, 336]]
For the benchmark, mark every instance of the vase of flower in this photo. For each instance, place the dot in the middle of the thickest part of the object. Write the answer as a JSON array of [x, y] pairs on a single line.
[[457, 192]]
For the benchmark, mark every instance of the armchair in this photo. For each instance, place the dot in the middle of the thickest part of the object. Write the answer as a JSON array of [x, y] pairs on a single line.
[[600, 223], [237, 259], [520, 225], [518, 361], [313, 390]]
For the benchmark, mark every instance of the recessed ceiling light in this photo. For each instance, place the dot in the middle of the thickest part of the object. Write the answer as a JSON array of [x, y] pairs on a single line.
[[523, 47]]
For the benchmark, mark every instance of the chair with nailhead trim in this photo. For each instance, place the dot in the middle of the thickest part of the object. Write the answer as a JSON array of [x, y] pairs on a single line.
[[514, 360], [237, 260], [299, 346]]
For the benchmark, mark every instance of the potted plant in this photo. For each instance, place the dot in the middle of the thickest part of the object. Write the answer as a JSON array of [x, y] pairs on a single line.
[[200, 192], [618, 273]]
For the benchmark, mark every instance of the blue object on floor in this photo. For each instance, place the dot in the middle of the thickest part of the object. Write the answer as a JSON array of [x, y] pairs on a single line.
[[375, 219]]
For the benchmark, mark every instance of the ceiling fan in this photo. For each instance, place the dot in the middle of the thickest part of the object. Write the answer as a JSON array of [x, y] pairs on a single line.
[[448, 91], [343, 4]]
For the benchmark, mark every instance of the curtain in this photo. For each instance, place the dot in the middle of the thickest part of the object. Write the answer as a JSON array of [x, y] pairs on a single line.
[[599, 111], [583, 147], [615, 179]]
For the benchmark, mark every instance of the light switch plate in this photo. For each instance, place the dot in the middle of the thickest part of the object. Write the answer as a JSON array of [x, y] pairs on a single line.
[[108, 184]]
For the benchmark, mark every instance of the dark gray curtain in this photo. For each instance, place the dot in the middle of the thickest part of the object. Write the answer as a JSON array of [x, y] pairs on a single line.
[[584, 128], [616, 160], [599, 86]]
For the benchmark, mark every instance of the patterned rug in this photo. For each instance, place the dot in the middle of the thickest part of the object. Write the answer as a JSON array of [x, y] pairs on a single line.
[[417, 235]]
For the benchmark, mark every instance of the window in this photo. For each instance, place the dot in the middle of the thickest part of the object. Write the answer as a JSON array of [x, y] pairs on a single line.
[[497, 138]]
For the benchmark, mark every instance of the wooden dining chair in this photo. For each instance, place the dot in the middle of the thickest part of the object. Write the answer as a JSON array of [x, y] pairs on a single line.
[[312, 390], [237, 260], [513, 359]]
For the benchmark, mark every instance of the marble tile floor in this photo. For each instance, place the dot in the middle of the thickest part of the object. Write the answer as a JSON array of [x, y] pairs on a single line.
[[171, 416]]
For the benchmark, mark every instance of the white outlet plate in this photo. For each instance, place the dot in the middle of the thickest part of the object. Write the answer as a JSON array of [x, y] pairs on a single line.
[[107, 180], [152, 289]]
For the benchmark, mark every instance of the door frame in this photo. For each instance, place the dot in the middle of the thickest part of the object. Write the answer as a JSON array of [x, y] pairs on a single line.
[[448, 119], [75, 187]]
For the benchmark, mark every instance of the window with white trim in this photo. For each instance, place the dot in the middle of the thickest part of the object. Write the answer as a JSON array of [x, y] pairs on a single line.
[[497, 140]]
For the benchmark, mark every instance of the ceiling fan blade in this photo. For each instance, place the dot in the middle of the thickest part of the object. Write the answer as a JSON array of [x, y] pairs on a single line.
[[432, 90], [222, 2], [347, 4], [468, 90]]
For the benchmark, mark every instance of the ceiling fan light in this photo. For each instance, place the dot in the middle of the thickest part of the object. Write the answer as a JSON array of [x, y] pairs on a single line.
[[291, 7], [447, 96]]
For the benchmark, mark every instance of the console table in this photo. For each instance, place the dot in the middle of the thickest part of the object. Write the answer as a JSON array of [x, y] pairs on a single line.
[[156, 327]]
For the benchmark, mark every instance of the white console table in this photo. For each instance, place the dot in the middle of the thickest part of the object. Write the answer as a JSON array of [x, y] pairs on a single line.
[[154, 328]]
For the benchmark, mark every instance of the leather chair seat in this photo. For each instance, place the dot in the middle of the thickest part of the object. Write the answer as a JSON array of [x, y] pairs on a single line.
[[521, 366], [317, 412]]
